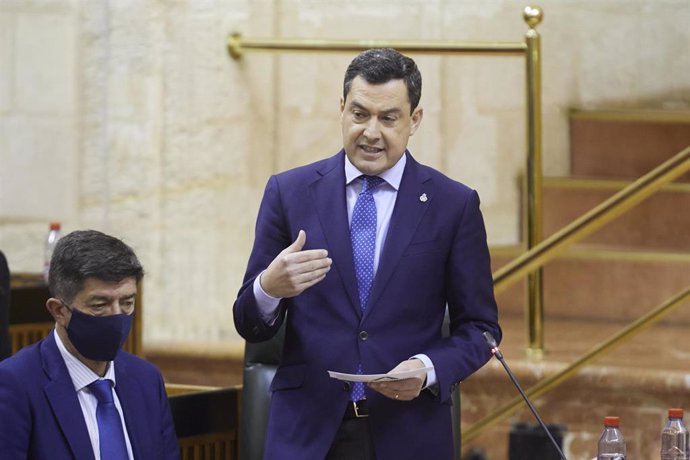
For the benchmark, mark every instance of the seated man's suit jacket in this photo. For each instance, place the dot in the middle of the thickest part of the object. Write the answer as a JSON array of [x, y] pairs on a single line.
[[435, 254], [40, 415]]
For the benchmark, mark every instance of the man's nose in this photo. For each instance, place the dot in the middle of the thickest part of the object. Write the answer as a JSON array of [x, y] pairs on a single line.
[[117, 308], [372, 131]]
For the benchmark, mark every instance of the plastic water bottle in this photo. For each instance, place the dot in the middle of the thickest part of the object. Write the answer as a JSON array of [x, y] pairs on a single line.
[[611, 443], [674, 437], [51, 241]]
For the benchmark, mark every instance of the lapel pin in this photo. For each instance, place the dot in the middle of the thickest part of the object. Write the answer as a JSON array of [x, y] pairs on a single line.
[[423, 198]]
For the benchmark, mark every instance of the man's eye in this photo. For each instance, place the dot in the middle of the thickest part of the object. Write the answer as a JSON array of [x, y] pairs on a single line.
[[358, 115], [98, 306]]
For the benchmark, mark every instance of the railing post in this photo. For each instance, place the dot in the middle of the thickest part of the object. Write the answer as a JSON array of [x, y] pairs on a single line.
[[533, 196]]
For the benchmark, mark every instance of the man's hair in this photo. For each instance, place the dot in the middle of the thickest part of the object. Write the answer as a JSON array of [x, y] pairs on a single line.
[[380, 65], [89, 254]]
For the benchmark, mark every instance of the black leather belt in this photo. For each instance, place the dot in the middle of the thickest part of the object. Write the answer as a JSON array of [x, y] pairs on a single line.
[[356, 409]]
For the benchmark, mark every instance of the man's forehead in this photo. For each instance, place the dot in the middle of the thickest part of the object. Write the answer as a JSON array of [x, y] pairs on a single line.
[[388, 96], [94, 287]]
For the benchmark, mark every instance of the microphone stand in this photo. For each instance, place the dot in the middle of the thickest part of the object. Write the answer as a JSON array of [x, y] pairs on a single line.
[[491, 341]]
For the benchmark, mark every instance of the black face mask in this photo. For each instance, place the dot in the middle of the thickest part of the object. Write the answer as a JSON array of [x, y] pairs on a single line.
[[98, 337]]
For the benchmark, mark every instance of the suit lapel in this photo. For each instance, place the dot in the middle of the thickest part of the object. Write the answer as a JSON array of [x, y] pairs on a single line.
[[64, 401], [131, 402], [407, 213], [328, 194]]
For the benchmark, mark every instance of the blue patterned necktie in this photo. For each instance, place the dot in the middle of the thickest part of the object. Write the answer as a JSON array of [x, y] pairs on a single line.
[[363, 235], [110, 434]]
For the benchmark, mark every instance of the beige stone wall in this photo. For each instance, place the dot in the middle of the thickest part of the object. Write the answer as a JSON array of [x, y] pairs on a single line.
[[129, 117]]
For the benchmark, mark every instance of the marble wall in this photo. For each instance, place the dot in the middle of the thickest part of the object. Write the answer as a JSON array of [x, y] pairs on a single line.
[[130, 117]]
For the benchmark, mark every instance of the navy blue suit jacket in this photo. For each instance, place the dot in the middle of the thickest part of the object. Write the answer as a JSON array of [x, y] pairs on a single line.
[[40, 415], [435, 254]]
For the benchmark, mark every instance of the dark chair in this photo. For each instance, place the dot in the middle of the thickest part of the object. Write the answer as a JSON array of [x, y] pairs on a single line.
[[4, 308], [260, 363]]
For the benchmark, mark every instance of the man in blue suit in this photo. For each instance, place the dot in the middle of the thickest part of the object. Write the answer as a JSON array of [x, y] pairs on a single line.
[[50, 392], [362, 287]]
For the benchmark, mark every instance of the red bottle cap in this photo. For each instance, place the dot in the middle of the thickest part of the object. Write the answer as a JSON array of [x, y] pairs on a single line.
[[55, 225], [675, 413], [613, 422]]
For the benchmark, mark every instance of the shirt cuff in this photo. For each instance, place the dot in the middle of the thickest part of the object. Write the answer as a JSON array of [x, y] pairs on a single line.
[[267, 304], [431, 374]]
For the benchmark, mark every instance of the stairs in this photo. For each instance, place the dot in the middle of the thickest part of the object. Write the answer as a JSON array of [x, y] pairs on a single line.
[[600, 285]]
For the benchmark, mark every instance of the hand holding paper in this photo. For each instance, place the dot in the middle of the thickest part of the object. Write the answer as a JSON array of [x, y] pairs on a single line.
[[402, 383]]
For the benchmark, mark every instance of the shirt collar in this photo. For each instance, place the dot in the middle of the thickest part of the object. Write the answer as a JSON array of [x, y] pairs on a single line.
[[392, 176], [79, 372]]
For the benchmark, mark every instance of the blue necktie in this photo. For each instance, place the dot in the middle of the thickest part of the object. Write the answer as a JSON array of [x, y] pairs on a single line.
[[363, 235], [110, 434]]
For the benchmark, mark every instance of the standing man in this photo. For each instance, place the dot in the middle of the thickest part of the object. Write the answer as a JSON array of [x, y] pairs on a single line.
[[360, 254], [74, 395]]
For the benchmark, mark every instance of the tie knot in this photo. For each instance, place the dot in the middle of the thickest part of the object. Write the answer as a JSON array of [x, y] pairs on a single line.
[[369, 183], [102, 390]]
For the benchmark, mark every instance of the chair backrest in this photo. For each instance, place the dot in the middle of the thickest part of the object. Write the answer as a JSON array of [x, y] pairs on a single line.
[[4, 307], [261, 361], [260, 364]]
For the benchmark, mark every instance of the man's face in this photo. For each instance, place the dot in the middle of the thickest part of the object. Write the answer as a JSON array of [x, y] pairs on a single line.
[[104, 298], [377, 124]]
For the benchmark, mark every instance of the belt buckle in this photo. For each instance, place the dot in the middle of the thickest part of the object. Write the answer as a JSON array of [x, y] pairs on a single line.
[[356, 410]]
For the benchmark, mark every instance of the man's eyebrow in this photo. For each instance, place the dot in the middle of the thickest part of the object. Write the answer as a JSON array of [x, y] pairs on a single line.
[[394, 110], [357, 105], [106, 297]]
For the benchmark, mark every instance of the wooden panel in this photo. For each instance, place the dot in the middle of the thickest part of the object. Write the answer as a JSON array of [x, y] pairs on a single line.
[[216, 446], [206, 423], [613, 148]]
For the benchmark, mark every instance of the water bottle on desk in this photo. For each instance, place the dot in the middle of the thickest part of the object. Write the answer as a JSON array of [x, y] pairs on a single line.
[[674, 437], [51, 241], [611, 443]]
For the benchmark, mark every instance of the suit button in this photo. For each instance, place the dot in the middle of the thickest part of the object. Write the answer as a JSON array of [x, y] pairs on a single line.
[[347, 386], [363, 335]]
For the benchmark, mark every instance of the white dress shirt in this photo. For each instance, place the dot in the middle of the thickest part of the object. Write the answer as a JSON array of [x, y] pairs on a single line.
[[82, 377]]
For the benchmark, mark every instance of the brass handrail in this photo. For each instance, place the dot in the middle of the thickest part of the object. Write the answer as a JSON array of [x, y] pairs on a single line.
[[558, 242], [593, 219], [531, 49], [238, 44], [552, 382]]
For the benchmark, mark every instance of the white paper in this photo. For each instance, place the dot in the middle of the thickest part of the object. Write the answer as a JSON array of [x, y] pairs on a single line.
[[389, 377]]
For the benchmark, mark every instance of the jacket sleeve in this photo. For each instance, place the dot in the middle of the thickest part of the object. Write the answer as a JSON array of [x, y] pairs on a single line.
[[271, 237], [471, 304], [15, 417]]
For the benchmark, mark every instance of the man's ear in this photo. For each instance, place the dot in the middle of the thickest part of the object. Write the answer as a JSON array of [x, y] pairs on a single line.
[[58, 311], [342, 105], [417, 115]]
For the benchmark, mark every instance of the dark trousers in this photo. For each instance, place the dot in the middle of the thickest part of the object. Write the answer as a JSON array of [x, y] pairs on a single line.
[[353, 441]]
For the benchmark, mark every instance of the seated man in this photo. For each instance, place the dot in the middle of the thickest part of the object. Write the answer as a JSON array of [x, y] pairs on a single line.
[[75, 395]]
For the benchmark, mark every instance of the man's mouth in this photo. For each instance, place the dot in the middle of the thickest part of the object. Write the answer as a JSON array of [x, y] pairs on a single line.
[[370, 149]]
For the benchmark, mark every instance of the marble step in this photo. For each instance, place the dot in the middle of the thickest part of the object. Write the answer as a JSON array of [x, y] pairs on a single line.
[[638, 381], [660, 222], [625, 143], [588, 283]]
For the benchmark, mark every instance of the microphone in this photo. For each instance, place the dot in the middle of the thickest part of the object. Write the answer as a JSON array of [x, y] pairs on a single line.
[[497, 353]]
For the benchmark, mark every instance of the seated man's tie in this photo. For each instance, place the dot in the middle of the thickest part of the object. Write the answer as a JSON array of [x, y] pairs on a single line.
[[110, 433]]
